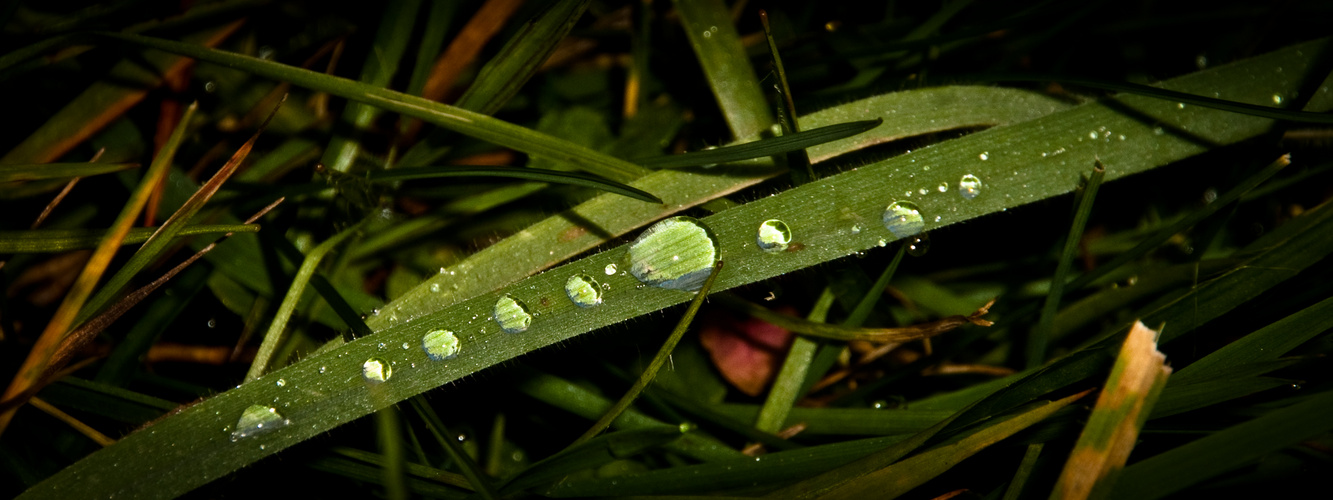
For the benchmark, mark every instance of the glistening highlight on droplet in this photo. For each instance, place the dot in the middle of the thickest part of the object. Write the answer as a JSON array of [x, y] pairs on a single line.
[[903, 219], [511, 314], [676, 253], [376, 370], [969, 186], [774, 236], [257, 419], [441, 344], [583, 291]]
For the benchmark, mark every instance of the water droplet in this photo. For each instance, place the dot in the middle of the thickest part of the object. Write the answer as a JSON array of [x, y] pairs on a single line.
[[434, 288], [583, 291], [882, 242], [1277, 99], [1180, 105], [406, 346], [880, 404], [969, 186], [257, 419], [708, 34], [610, 269], [441, 344], [918, 245], [676, 253], [943, 187], [1092, 135], [322, 369], [281, 382], [774, 235], [381, 346], [511, 314], [984, 156], [923, 191], [856, 229], [903, 219], [376, 370], [210, 87]]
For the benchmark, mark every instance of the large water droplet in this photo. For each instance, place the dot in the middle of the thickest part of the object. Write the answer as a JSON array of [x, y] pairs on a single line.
[[583, 290], [903, 219], [610, 269], [441, 344], [511, 314], [676, 253], [376, 370], [257, 419], [918, 245], [774, 235], [969, 186]]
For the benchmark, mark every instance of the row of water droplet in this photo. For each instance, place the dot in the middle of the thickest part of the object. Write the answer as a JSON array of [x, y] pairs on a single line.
[[676, 253]]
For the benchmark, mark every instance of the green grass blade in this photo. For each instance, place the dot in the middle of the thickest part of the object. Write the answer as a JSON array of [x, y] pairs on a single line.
[[318, 402], [381, 64], [1180, 398], [1041, 333], [1015, 488], [366, 466], [791, 377], [533, 174], [899, 478], [479, 482], [764, 147], [43, 171], [591, 454], [1219, 452], [456, 119], [1266, 344], [717, 44], [846, 333], [847, 421], [391, 446], [62, 240]]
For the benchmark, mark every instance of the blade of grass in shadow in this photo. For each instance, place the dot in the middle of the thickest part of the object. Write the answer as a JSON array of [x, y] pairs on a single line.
[[391, 448], [74, 423], [104, 101], [274, 335], [534, 174], [1113, 427], [845, 333], [147, 463], [765, 147], [1040, 334], [1266, 344], [650, 372], [479, 482], [63, 240], [791, 377], [42, 171], [395, 29], [901, 477], [1171, 471], [366, 466], [1015, 488], [594, 453], [1165, 233], [48, 343], [162, 240], [502, 76], [460, 120]]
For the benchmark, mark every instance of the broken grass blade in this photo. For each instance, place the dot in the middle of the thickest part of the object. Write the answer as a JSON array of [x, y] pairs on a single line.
[[534, 174]]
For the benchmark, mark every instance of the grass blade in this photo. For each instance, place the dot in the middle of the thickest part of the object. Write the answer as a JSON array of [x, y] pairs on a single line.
[[1266, 344], [533, 174], [1038, 337], [63, 240], [717, 44], [479, 482], [43, 171], [763, 147], [791, 377]]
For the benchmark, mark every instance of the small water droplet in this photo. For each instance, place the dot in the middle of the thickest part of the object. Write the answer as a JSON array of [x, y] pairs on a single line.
[[923, 191], [969, 186], [903, 219], [943, 187], [434, 288], [406, 346], [376, 370], [381, 346], [984, 156], [882, 242], [322, 369], [610, 269], [583, 291], [677, 253], [856, 229], [1180, 105], [774, 236], [1092, 135], [708, 34], [441, 344], [1277, 98], [281, 382], [918, 245], [1157, 131], [210, 87], [880, 404], [257, 419], [511, 314]]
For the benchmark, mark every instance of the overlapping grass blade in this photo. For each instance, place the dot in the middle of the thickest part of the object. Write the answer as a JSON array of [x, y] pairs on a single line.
[[533, 174], [763, 147], [62, 240], [43, 171]]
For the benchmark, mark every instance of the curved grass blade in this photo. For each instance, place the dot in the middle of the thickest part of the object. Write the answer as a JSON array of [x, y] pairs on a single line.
[[61, 240], [764, 147], [532, 174], [189, 449], [459, 120], [43, 171]]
